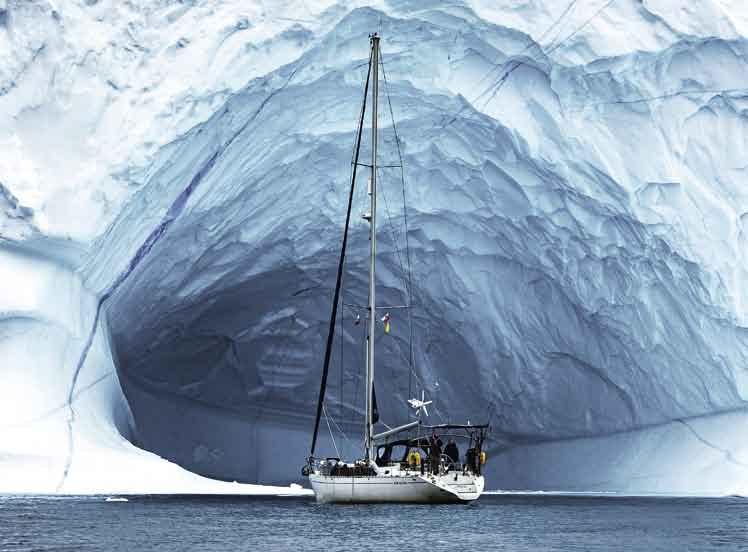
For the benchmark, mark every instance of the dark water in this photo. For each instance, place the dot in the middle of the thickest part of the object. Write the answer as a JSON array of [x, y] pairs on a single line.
[[520, 523]]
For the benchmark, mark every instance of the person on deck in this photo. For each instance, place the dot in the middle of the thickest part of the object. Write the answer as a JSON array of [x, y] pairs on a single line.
[[470, 458], [435, 452], [452, 451]]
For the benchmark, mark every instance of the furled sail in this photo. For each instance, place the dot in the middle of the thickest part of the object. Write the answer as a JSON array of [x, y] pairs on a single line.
[[375, 408]]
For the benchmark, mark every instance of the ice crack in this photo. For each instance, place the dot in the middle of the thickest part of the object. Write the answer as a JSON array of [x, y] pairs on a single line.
[[727, 453]]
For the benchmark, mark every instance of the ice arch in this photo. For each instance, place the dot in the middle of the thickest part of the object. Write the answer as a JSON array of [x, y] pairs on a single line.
[[586, 234]]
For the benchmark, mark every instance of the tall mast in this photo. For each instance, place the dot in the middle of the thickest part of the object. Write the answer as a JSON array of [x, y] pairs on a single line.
[[373, 246]]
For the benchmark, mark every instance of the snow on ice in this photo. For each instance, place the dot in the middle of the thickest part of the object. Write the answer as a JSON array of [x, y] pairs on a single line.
[[172, 187]]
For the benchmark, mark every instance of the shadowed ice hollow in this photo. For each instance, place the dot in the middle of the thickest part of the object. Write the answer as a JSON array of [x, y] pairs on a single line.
[[172, 196]]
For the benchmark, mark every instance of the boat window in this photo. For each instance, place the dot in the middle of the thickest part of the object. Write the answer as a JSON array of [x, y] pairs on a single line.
[[399, 453]]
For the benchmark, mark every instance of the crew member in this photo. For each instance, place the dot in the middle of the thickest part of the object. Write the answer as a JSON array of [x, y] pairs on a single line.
[[470, 458], [452, 451], [436, 452]]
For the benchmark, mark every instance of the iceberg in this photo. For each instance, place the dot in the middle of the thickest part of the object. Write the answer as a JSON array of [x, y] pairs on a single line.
[[171, 197]]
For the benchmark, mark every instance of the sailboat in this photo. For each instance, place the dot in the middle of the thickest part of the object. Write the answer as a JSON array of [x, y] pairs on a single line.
[[409, 463]]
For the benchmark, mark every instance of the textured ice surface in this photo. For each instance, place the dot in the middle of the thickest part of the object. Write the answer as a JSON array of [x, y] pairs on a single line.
[[180, 168], [65, 427]]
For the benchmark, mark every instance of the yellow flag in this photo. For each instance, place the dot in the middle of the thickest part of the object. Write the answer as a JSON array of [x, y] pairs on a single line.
[[386, 321]]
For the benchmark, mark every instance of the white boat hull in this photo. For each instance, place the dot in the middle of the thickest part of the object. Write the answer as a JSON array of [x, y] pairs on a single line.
[[412, 488]]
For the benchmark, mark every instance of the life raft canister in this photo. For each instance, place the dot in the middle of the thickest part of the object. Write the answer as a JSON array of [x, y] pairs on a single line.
[[414, 458], [482, 458]]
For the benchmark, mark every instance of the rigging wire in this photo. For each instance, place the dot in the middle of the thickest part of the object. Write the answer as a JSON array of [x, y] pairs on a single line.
[[393, 231], [408, 306], [332, 437], [411, 363], [340, 430]]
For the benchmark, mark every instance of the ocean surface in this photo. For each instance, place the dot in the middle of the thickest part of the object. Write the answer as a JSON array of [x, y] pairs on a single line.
[[516, 522]]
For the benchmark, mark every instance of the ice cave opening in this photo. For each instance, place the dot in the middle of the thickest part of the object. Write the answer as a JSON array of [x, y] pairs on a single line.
[[576, 237]]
